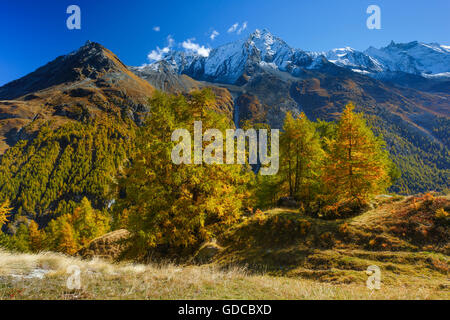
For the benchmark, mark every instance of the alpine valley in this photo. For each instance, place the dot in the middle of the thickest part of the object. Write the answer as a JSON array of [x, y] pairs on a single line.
[[46, 117]]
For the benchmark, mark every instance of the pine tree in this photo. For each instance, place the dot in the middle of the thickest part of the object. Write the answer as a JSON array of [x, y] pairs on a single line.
[[357, 165]]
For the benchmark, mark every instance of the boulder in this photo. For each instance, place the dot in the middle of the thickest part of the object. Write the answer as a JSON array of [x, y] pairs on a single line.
[[288, 202], [109, 246], [207, 252]]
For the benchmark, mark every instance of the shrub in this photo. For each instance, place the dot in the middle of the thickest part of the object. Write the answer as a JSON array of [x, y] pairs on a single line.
[[441, 214], [344, 209]]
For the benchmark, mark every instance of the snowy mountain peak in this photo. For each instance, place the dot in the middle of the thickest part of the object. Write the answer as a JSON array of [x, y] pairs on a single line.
[[271, 49], [261, 33], [343, 50]]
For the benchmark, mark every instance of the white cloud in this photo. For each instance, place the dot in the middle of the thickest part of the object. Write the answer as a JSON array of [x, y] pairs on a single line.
[[214, 35], [196, 48], [242, 28], [170, 41], [157, 28], [158, 53], [233, 28]]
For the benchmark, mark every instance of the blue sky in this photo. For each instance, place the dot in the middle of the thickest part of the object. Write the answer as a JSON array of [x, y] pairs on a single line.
[[34, 32]]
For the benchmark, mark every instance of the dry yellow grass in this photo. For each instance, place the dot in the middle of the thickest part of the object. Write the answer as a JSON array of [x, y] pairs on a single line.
[[44, 276]]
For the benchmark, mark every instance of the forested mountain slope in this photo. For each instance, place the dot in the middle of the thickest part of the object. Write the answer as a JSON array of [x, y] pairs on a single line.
[[267, 78]]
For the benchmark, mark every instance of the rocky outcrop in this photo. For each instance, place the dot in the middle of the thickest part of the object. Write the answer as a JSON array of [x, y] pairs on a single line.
[[207, 252], [109, 246]]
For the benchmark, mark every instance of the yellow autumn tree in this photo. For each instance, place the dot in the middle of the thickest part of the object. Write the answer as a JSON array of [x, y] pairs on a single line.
[[84, 224], [5, 211], [301, 156], [177, 207], [357, 165], [35, 236], [88, 223], [67, 243]]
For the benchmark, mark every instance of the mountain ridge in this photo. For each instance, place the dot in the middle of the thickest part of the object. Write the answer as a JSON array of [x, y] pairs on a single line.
[[226, 63], [85, 84], [91, 61]]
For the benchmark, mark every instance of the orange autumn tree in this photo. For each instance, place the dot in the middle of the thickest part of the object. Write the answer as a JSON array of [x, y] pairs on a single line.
[[36, 236], [67, 243], [357, 164]]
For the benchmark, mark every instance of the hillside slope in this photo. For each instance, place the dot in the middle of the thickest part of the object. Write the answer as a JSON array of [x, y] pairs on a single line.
[[44, 277], [278, 254], [83, 85], [403, 236], [65, 131]]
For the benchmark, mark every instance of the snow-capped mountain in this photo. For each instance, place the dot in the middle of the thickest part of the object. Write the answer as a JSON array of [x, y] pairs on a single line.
[[231, 62], [428, 60], [413, 57], [355, 60], [228, 63]]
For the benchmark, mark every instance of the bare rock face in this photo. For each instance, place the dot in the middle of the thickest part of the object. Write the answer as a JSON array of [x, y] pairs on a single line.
[[109, 246]]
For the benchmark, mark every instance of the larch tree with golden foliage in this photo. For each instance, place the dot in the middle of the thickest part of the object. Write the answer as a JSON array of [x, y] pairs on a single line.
[[70, 232], [5, 211], [36, 237], [178, 206], [88, 223], [357, 164], [67, 243], [301, 155]]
